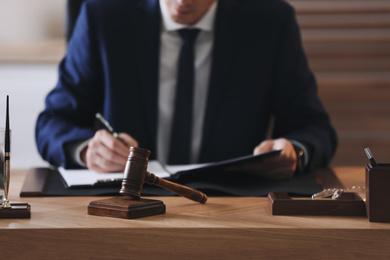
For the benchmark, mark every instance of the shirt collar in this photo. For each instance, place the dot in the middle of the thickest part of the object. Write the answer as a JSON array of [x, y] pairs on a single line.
[[205, 23]]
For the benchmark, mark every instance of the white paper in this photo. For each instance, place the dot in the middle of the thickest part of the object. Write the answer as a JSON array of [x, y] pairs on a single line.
[[173, 169], [85, 177]]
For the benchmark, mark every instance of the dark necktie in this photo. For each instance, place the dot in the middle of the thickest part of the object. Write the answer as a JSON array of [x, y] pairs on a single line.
[[182, 119]]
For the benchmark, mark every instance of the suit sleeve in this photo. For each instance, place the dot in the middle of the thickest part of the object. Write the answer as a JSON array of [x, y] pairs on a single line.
[[70, 107], [299, 113]]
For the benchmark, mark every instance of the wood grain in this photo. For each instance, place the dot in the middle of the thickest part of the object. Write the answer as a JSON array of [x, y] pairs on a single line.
[[223, 228]]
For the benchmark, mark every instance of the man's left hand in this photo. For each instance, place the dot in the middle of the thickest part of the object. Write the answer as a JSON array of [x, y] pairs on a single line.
[[281, 166]]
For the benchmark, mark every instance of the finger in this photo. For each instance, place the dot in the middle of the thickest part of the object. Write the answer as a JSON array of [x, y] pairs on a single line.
[[101, 157], [287, 150], [105, 168], [104, 164], [275, 168], [263, 147], [111, 144], [108, 159]]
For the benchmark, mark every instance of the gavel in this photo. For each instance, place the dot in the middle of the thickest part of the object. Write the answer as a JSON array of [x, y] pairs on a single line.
[[136, 174]]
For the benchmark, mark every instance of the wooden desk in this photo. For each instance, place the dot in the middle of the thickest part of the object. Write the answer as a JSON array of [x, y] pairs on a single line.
[[223, 228]]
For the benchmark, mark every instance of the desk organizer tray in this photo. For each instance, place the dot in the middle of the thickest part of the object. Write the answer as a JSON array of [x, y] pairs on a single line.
[[348, 204]]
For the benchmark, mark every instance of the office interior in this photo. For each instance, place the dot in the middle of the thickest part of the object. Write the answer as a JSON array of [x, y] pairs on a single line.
[[347, 43]]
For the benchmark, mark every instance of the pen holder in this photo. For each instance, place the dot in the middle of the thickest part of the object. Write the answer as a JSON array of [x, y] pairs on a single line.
[[378, 192]]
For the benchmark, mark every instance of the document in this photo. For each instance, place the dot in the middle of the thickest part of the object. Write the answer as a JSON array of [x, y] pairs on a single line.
[[85, 177]]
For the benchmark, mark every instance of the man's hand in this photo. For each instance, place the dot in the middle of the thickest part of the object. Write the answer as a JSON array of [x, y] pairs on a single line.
[[278, 167], [105, 153]]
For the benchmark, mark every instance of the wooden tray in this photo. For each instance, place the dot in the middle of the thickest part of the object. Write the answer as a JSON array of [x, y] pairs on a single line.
[[18, 210], [348, 204]]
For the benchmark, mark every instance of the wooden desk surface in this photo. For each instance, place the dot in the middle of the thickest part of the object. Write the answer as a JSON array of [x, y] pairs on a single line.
[[223, 228]]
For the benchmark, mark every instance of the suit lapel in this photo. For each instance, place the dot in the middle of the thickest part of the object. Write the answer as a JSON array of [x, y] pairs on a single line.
[[223, 50], [147, 27]]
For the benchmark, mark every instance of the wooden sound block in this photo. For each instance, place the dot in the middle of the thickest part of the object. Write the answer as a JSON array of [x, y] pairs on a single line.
[[17, 210], [126, 207], [348, 204]]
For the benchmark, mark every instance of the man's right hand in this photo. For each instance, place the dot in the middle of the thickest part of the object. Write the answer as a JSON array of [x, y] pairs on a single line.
[[105, 153]]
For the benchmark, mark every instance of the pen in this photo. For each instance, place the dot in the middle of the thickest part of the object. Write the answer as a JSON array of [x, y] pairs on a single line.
[[370, 157], [7, 156], [109, 128]]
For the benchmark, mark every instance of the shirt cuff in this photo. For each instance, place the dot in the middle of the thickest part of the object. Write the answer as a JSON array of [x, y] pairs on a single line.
[[74, 150]]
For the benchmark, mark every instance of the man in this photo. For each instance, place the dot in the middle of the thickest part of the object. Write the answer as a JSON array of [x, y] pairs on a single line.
[[250, 70]]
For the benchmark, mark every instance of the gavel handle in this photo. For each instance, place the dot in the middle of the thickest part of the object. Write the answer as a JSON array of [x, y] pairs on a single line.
[[179, 189]]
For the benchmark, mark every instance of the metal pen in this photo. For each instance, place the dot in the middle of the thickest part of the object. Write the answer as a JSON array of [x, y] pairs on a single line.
[[370, 157], [109, 127]]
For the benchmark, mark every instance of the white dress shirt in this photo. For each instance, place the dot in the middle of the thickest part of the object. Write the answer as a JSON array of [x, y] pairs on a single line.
[[169, 54]]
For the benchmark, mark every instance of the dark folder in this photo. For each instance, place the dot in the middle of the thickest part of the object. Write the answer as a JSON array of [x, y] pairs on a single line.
[[48, 182], [232, 178]]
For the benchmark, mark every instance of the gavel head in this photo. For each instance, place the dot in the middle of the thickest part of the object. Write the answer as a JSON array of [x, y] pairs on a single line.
[[135, 172]]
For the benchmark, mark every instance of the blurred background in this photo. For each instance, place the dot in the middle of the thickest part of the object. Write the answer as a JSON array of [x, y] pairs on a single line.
[[347, 43], [31, 45]]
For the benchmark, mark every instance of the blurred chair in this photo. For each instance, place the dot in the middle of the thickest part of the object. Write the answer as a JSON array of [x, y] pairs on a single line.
[[72, 12]]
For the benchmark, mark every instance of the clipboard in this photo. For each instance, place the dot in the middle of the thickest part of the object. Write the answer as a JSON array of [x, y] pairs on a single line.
[[35, 182], [48, 182], [77, 178]]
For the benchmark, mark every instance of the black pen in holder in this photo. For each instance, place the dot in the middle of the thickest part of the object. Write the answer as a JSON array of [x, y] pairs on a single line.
[[7, 155], [7, 209]]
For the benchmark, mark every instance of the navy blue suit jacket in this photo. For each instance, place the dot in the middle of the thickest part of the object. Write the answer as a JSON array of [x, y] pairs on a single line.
[[259, 70]]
